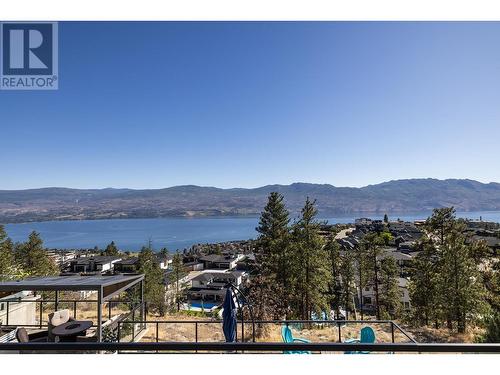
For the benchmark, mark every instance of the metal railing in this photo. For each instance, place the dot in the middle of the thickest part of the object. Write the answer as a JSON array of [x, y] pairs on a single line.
[[253, 347], [72, 304], [339, 324], [249, 344]]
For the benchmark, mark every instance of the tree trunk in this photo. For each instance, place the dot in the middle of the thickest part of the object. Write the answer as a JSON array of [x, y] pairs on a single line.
[[360, 292], [376, 289]]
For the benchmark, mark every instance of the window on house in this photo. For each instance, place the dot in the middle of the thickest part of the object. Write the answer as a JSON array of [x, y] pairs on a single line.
[[367, 301]]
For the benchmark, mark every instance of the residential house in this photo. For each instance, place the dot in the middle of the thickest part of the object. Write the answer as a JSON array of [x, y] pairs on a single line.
[[21, 309], [129, 265], [369, 299], [210, 286], [165, 261], [94, 264], [224, 261], [247, 263]]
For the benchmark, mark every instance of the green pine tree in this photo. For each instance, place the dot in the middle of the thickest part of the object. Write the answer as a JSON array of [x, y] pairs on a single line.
[[178, 272], [348, 277], [462, 291], [312, 273], [372, 243], [441, 222], [8, 267], [390, 294], [423, 285], [334, 258], [273, 258], [492, 328], [111, 250], [363, 272], [34, 258], [154, 288]]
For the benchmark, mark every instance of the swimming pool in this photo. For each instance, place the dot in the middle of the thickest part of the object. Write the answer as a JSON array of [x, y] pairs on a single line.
[[206, 305]]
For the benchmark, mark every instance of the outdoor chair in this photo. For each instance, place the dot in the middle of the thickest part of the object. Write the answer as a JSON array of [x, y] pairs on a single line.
[[56, 319], [287, 336], [22, 336], [367, 336]]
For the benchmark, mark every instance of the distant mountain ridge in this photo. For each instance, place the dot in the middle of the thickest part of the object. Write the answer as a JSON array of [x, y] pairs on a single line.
[[397, 196]]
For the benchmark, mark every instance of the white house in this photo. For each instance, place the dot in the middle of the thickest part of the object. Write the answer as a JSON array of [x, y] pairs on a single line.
[[369, 300], [21, 309]]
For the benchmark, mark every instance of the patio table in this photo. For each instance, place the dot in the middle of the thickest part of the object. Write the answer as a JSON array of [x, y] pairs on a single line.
[[70, 330]]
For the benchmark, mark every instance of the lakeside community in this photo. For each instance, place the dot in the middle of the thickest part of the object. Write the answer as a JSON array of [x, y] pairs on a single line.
[[434, 280]]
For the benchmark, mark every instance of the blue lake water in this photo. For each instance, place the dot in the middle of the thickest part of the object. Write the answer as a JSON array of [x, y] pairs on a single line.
[[174, 233]]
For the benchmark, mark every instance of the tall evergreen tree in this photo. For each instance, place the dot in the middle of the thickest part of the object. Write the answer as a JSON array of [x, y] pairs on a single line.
[[273, 257], [8, 267], [335, 289], [491, 278], [461, 289], [312, 274], [423, 286], [154, 288], [34, 258], [440, 222], [111, 249], [348, 275], [363, 272], [456, 293], [178, 272], [390, 294], [372, 243]]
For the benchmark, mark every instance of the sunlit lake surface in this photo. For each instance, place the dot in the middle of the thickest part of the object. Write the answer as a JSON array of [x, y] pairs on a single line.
[[174, 233]]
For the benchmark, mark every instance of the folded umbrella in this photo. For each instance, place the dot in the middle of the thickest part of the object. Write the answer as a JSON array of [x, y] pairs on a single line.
[[229, 317]]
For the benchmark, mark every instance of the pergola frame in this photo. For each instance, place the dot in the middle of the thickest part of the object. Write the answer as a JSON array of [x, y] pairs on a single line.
[[106, 287]]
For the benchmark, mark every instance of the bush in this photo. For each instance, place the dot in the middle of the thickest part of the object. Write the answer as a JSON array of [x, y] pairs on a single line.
[[492, 325]]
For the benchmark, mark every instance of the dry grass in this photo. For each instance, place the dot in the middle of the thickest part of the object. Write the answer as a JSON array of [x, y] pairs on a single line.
[[210, 331], [443, 335]]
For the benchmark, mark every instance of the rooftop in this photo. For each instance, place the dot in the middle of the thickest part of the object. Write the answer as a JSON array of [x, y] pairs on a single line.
[[109, 285], [217, 258], [96, 259]]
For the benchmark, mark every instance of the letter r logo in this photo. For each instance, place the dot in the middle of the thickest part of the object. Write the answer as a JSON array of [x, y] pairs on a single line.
[[27, 48]]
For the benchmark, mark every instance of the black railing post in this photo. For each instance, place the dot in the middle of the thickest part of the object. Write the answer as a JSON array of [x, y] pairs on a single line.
[[157, 338], [242, 327], [41, 315], [340, 332], [109, 310], [392, 331], [74, 309], [7, 314], [119, 332], [196, 334]]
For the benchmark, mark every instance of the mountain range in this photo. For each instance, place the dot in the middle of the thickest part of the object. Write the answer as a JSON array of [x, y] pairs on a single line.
[[398, 196]]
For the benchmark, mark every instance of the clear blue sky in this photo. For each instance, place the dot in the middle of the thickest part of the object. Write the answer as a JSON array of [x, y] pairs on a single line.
[[148, 105]]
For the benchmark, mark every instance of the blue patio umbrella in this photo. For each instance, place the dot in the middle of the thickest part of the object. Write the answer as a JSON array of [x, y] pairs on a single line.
[[229, 317]]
